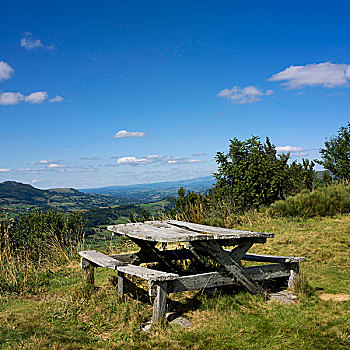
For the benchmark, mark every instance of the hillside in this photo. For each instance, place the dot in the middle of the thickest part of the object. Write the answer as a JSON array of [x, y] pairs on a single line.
[[18, 196], [154, 191]]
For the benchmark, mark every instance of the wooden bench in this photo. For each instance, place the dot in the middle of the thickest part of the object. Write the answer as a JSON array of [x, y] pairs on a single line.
[[161, 283]]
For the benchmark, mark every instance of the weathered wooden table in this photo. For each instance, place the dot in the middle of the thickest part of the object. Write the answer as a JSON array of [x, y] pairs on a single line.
[[201, 241]]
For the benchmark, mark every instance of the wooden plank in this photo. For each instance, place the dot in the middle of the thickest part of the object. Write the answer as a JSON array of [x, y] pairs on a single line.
[[121, 284], [160, 303], [272, 258], [178, 231], [148, 274], [219, 279], [217, 232], [89, 271], [100, 259], [164, 233], [231, 266]]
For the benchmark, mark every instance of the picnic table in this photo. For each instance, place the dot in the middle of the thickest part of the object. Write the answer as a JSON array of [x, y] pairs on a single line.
[[200, 241]]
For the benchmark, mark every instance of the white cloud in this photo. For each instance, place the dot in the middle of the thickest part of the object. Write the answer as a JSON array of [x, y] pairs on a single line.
[[29, 42], [325, 74], [5, 170], [154, 158], [11, 98], [55, 165], [124, 133], [57, 98], [36, 97], [132, 161], [248, 94], [5, 70], [289, 149], [34, 181]]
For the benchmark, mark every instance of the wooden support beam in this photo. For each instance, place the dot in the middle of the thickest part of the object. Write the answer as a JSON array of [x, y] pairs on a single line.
[[293, 274], [160, 302], [121, 284], [89, 274], [237, 253], [231, 266]]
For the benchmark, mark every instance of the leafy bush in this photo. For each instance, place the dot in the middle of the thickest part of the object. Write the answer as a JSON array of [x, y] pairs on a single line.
[[323, 201], [252, 174]]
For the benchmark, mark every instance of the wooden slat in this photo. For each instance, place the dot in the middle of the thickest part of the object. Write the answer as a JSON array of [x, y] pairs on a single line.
[[272, 258], [218, 232], [218, 279], [147, 232], [100, 259], [148, 274]]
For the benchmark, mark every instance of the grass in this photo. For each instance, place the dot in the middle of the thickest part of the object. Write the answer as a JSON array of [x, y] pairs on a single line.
[[70, 315]]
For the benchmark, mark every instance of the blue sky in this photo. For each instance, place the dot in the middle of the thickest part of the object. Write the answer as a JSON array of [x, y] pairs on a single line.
[[120, 92]]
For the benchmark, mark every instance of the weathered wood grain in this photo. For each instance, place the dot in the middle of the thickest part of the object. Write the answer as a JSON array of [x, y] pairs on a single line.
[[217, 232], [294, 273], [178, 231], [237, 253], [121, 284], [160, 302], [147, 274], [272, 258], [89, 270], [221, 278], [231, 266], [101, 260]]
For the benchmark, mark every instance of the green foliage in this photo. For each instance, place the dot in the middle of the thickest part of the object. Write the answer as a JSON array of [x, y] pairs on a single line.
[[33, 243], [336, 154], [323, 201], [37, 231], [251, 174]]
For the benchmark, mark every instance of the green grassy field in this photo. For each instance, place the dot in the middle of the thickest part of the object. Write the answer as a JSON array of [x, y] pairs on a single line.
[[69, 315]]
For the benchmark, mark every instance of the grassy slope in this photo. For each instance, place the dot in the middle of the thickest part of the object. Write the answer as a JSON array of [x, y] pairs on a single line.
[[69, 316]]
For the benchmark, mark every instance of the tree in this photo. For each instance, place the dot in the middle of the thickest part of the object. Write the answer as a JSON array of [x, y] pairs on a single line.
[[252, 174], [336, 154]]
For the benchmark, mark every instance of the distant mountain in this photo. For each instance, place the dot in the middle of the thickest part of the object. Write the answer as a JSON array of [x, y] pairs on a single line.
[[17, 195], [154, 191]]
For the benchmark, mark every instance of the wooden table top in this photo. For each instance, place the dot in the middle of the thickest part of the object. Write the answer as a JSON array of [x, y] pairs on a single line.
[[180, 231]]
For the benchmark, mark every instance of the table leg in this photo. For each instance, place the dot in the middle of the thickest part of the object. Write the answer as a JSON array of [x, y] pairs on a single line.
[[160, 302], [238, 253], [89, 271], [294, 273], [121, 283], [231, 266]]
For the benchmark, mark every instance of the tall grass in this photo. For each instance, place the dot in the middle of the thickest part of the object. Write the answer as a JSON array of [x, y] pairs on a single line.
[[31, 247]]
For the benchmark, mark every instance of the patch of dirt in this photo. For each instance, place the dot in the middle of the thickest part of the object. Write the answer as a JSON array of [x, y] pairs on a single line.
[[335, 297]]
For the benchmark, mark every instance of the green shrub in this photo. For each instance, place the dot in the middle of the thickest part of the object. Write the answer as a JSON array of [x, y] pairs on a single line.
[[33, 243], [323, 201]]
